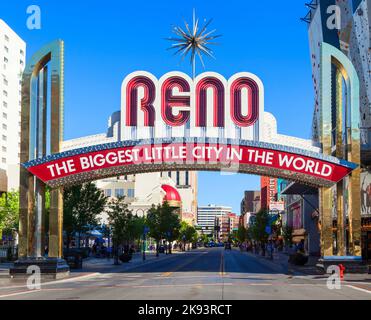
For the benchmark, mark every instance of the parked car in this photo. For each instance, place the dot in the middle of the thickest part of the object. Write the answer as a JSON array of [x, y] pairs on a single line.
[[227, 246]]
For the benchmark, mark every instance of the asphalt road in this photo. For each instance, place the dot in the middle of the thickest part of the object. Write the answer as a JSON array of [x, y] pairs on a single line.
[[206, 274]]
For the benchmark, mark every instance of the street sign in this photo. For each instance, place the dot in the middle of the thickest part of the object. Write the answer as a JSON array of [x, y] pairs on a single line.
[[268, 229]]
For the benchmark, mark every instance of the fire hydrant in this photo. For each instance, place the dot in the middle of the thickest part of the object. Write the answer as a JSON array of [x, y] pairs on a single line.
[[341, 269]]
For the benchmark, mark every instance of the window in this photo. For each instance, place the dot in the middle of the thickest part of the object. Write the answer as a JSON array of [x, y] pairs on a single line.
[[6, 38], [5, 105], [21, 62], [108, 192], [187, 178], [131, 193], [5, 116], [6, 60], [5, 82], [6, 49], [119, 193], [5, 93], [3, 160], [5, 127], [4, 138], [169, 174], [21, 52], [177, 178], [3, 149]]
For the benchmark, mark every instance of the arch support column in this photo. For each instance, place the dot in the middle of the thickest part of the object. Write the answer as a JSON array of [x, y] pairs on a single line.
[[39, 139]]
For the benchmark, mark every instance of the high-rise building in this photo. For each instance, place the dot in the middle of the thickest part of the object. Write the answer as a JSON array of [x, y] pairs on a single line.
[[349, 30], [250, 202], [12, 64], [206, 217], [268, 191]]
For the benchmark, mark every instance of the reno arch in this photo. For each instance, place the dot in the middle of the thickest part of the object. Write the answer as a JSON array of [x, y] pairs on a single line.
[[177, 106]]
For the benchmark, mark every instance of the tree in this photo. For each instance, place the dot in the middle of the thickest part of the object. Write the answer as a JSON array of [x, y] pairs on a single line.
[[9, 212], [258, 229], [153, 222], [170, 224], [119, 217], [287, 235], [187, 233], [241, 234], [82, 205], [163, 223]]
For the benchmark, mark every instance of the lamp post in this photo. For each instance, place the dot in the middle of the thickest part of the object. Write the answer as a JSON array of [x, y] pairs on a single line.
[[145, 231]]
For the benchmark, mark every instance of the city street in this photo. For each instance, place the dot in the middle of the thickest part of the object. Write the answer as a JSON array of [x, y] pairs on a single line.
[[207, 273]]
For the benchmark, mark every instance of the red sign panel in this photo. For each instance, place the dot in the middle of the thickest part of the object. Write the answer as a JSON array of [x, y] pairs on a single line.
[[64, 166]]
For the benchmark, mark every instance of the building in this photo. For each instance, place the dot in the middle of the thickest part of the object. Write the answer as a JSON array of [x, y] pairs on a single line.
[[351, 34], [301, 214], [233, 222], [206, 217], [268, 191], [141, 191], [12, 64], [223, 227], [250, 202]]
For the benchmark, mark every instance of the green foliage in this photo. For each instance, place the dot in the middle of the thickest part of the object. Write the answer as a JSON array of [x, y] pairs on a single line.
[[9, 212], [81, 206], [287, 235], [163, 222], [120, 219], [241, 234], [257, 230], [187, 233]]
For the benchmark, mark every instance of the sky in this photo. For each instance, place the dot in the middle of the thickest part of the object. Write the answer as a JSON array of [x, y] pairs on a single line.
[[106, 40]]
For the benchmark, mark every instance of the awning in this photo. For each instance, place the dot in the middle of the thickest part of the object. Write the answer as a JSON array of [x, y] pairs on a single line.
[[301, 189]]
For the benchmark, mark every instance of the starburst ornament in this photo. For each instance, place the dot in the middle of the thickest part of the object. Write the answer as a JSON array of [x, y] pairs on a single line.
[[193, 42]]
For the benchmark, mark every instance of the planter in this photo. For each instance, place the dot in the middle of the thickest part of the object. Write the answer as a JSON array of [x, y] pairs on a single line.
[[298, 259], [125, 257]]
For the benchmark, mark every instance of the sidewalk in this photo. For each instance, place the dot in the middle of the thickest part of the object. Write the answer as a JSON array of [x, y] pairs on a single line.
[[281, 260], [103, 265], [4, 269]]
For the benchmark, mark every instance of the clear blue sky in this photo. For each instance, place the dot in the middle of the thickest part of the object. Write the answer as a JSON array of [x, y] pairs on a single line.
[[106, 40]]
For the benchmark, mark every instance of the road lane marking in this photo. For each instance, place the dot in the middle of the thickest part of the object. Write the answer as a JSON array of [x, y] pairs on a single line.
[[169, 273], [222, 266], [33, 291], [359, 289]]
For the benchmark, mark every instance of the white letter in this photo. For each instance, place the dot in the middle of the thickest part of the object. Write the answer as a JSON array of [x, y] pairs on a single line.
[[33, 281], [333, 21], [333, 281], [34, 20]]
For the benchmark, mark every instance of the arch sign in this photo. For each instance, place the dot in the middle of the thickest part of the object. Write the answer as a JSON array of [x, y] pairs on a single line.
[[176, 123]]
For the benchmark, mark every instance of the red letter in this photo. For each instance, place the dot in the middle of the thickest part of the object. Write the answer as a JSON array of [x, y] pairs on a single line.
[[168, 101], [201, 101], [146, 104], [252, 104]]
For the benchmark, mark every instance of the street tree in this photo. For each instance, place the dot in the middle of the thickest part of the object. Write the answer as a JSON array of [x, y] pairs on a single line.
[[119, 218], [187, 233], [287, 235], [82, 205], [163, 223], [258, 229], [9, 212], [241, 234], [170, 224]]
